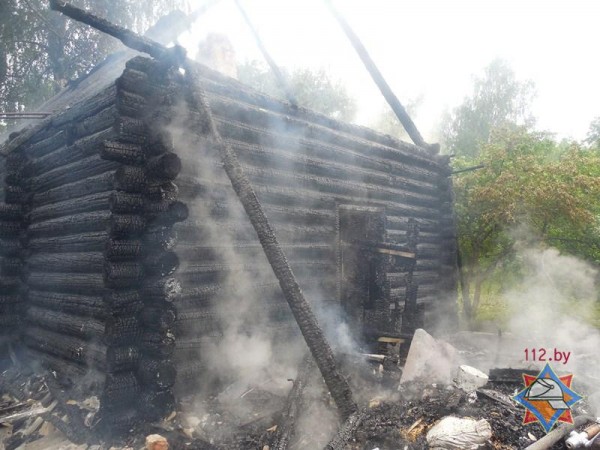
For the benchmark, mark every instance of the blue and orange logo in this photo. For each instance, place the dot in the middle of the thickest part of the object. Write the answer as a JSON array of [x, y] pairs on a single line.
[[548, 398]]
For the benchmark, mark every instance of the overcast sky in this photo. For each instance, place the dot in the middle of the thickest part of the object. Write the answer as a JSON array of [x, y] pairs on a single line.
[[433, 48]]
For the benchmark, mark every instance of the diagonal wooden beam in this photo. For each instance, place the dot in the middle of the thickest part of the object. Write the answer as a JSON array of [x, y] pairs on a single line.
[[379, 80]]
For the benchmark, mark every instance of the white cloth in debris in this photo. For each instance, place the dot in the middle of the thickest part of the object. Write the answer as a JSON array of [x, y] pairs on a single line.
[[456, 433]]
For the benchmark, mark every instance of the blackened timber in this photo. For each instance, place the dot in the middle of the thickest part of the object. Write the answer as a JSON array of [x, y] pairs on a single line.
[[385, 89], [120, 389], [84, 242], [92, 185], [123, 274], [82, 262], [161, 263], [299, 128], [234, 130], [82, 148], [294, 406], [81, 305], [159, 289], [129, 38], [122, 358], [338, 386], [346, 431], [123, 330], [123, 250], [72, 224], [10, 212], [158, 373], [218, 84], [72, 172], [67, 347], [160, 316], [75, 283], [164, 167], [65, 323], [48, 145], [123, 152], [78, 205], [105, 119], [122, 225]]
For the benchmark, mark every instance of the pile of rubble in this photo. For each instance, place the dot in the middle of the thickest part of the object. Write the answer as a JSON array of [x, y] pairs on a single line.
[[434, 401]]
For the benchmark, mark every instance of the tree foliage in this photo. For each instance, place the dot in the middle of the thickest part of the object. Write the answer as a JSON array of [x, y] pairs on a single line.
[[314, 89], [593, 136], [41, 50], [529, 182], [498, 99]]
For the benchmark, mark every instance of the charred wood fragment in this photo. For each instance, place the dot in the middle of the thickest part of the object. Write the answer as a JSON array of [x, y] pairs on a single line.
[[122, 330], [94, 202], [131, 104], [122, 225], [81, 149], [84, 242], [346, 431], [159, 289], [75, 283], [131, 179], [159, 345], [123, 274], [160, 317], [157, 404], [67, 347], [123, 249], [120, 390], [81, 305], [80, 262], [122, 301], [72, 172], [294, 406], [16, 194], [11, 266], [123, 358], [123, 152], [157, 373], [68, 324], [176, 212], [83, 222], [164, 167], [93, 185], [161, 263], [131, 130]]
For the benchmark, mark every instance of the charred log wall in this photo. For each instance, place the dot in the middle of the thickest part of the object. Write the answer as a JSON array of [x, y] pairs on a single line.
[[303, 166], [85, 225]]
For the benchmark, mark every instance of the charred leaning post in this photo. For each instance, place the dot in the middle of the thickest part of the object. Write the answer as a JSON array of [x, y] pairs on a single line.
[[378, 78], [315, 339]]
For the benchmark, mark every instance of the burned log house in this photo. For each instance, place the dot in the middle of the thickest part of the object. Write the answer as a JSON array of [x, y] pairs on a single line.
[[122, 238]]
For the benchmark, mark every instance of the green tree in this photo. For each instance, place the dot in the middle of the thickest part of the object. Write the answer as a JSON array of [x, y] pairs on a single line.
[[41, 50], [498, 99], [593, 136], [314, 89], [529, 181]]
